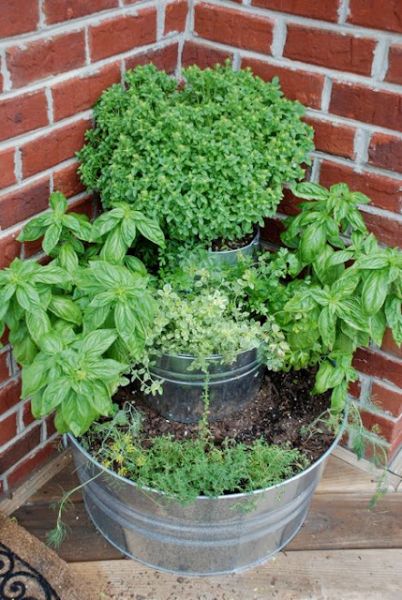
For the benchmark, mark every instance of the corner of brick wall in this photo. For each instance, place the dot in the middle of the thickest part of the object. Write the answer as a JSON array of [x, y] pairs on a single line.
[[343, 60], [55, 60]]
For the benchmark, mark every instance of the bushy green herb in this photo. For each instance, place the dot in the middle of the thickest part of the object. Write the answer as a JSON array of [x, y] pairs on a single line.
[[77, 323], [207, 159], [188, 468]]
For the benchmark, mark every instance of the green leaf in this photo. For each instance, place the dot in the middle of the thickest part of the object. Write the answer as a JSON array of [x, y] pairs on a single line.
[[79, 225], [51, 238], [135, 264], [77, 414], [339, 257], [356, 220], [149, 229], [128, 231], [327, 326], [27, 296], [52, 275], [54, 394], [51, 343], [35, 228], [68, 258], [338, 397], [378, 325], [58, 203], [106, 222], [66, 309], [327, 377], [25, 351], [310, 191], [350, 311], [38, 323], [34, 378], [100, 398], [125, 321], [393, 313], [374, 291], [97, 342], [372, 261], [312, 242], [114, 248]]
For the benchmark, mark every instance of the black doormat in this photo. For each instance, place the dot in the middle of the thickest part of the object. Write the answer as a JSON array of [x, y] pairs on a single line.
[[19, 580]]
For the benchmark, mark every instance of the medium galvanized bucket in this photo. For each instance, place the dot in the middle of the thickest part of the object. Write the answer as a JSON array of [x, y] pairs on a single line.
[[210, 536], [230, 387], [230, 257]]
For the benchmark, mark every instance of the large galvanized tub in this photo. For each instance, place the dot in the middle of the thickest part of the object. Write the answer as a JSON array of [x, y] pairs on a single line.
[[230, 387], [230, 257], [211, 536]]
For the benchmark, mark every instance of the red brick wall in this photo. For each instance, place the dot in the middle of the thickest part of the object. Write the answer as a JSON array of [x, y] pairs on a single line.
[[56, 57], [343, 60], [340, 58]]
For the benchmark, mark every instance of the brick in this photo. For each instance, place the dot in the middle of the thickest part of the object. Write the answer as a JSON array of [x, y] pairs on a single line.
[[394, 73], [175, 16], [7, 175], [355, 389], [8, 429], [81, 93], [67, 181], [379, 365], [5, 371], [384, 191], [19, 449], [377, 14], [31, 463], [329, 49], [9, 249], [22, 113], [42, 58], [27, 416], [385, 151], [56, 11], [32, 248], [333, 138], [387, 399], [228, 26], [51, 149], [296, 85], [84, 206], [203, 56], [123, 33], [271, 232], [380, 107], [50, 426], [387, 230], [289, 204], [24, 202], [384, 427], [18, 16], [325, 10], [163, 58], [389, 344]]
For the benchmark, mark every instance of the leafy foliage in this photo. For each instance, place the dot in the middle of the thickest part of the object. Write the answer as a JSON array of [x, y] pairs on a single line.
[[77, 323], [208, 159], [188, 468]]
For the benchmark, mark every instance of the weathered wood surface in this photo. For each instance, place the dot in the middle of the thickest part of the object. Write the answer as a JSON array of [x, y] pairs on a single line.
[[316, 575]]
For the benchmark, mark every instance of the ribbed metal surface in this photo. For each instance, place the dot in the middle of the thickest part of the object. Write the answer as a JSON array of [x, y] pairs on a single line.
[[230, 387], [230, 257], [210, 536]]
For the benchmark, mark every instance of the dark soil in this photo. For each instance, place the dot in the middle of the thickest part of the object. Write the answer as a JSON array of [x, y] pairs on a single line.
[[281, 409], [221, 244]]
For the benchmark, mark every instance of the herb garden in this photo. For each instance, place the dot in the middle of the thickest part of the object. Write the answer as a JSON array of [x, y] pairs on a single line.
[[201, 376]]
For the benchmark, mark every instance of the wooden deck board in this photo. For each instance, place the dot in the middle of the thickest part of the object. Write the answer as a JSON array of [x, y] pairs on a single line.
[[339, 574]]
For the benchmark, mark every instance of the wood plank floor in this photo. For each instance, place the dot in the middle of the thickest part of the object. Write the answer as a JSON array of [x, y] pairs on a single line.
[[345, 551]]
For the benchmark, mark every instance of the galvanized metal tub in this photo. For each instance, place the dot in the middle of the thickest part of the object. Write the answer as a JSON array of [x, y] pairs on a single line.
[[211, 536], [230, 387], [230, 257]]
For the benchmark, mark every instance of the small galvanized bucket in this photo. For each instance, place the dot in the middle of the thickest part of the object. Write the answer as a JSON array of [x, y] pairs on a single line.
[[230, 257], [210, 536], [230, 387]]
